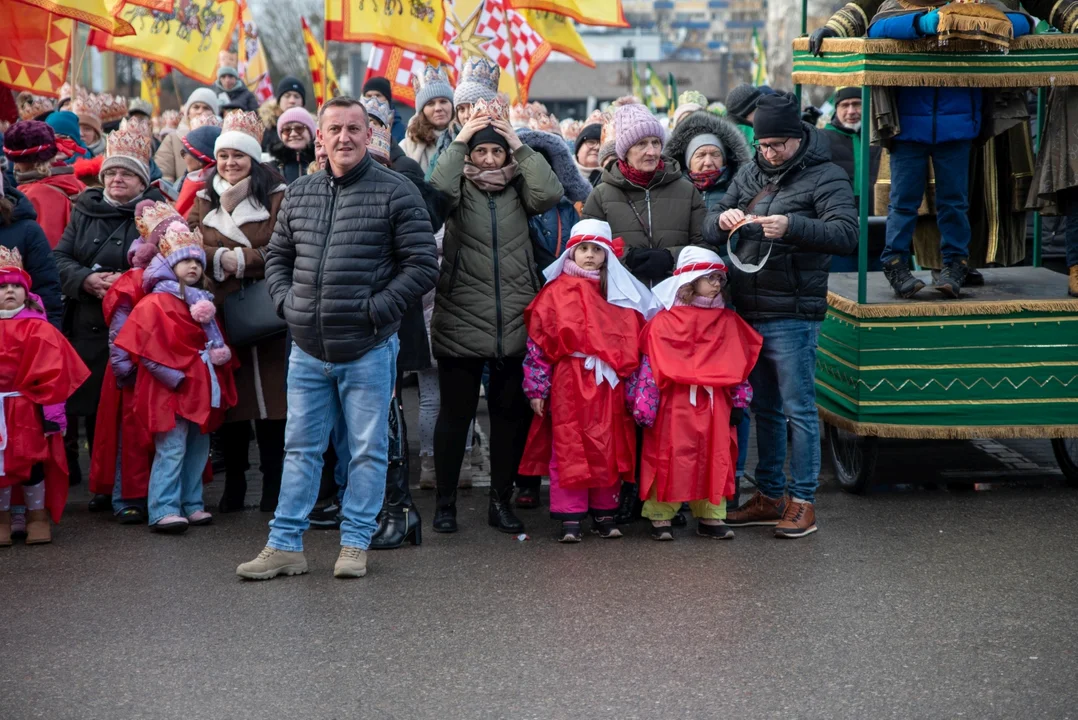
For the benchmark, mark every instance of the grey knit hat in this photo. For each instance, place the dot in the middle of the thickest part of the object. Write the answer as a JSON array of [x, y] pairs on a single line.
[[432, 83], [478, 81]]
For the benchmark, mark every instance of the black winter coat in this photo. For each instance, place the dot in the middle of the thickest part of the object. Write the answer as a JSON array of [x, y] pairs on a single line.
[[348, 257], [291, 164], [96, 240], [26, 236], [816, 196], [842, 151], [239, 95]]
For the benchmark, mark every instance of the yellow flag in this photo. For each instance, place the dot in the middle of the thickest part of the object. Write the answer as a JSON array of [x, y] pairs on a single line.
[[586, 12], [559, 31], [418, 29], [152, 74], [185, 40], [323, 78], [95, 13]]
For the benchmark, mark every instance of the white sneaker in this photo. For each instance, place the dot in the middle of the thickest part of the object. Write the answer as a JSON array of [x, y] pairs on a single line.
[[427, 477]]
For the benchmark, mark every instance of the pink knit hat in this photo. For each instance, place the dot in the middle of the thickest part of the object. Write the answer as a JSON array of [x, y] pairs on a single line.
[[296, 115], [633, 123]]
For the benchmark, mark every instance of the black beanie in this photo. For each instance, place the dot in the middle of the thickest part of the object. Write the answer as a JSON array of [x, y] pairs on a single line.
[[291, 84], [379, 84], [847, 93], [487, 135], [741, 101], [777, 116], [589, 132]]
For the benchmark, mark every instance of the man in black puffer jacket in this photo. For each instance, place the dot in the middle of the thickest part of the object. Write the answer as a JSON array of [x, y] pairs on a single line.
[[805, 213], [352, 250]]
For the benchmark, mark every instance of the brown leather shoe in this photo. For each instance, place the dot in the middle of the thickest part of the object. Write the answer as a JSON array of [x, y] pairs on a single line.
[[798, 520], [1072, 288], [38, 530], [5, 528], [758, 510]]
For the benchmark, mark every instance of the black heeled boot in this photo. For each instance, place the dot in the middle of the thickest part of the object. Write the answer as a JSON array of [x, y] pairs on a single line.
[[500, 513], [399, 520], [628, 504]]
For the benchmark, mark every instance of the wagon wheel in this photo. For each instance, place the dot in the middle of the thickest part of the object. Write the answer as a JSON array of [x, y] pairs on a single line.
[[1066, 450], [854, 459]]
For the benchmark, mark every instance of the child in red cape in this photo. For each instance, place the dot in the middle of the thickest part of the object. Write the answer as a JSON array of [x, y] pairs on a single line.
[[39, 371], [123, 446], [184, 383], [583, 328], [690, 394]]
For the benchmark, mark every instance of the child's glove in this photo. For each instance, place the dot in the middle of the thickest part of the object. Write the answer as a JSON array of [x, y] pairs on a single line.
[[928, 24], [736, 416]]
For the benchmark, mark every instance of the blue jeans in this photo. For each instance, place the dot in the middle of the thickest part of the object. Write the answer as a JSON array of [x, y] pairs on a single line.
[[743, 431], [119, 504], [176, 477], [784, 389], [318, 394], [909, 175]]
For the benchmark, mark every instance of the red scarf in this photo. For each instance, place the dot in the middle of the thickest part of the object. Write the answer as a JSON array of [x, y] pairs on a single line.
[[636, 177], [707, 179]]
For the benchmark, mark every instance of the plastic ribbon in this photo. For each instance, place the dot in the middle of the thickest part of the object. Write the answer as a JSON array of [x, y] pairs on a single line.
[[215, 387], [3, 426], [602, 370], [710, 393], [749, 268]]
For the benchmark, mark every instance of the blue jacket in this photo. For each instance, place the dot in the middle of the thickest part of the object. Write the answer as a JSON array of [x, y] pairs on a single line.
[[399, 126], [544, 232], [936, 115], [26, 236]]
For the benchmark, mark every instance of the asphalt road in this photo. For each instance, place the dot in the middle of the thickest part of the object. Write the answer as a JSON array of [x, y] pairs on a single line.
[[908, 603]]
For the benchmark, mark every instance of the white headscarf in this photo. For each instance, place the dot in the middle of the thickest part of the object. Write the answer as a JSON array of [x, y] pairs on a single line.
[[622, 289], [693, 263]]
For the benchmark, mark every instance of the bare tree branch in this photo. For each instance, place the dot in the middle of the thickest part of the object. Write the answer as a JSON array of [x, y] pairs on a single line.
[[282, 33]]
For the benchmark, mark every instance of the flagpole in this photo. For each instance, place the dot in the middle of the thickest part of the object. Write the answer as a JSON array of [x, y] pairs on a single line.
[[175, 88], [325, 64], [74, 55]]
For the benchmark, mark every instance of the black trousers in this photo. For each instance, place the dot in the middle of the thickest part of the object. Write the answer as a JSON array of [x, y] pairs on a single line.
[[510, 418], [235, 442], [71, 440]]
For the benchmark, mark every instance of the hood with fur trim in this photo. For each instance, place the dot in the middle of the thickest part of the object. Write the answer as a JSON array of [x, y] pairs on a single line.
[[737, 149], [554, 147]]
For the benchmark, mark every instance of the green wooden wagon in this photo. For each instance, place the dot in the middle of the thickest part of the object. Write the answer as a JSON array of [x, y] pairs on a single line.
[[1001, 362]]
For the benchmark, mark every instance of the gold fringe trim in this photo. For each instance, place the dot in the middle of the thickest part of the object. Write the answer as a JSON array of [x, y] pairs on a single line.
[[974, 21], [953, 432], [882, 46], [880, 78], [947, 308]]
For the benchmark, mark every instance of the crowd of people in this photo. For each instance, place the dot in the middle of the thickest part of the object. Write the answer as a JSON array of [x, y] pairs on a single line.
[[627, 291]]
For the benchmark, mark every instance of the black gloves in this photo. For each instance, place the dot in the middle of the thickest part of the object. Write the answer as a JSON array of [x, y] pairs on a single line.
[[811, 115], [816, 39], [736, 416], [650, 263]]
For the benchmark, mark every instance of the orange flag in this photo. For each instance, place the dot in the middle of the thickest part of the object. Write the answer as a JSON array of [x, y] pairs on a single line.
[[323, 77], [36, 49], [96, 13]]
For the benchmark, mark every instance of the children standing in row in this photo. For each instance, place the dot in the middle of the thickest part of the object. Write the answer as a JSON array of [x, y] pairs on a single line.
[[184, 383], [39, 371]]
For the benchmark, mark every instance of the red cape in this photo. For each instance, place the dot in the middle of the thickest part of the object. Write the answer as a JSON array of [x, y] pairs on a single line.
[[38, 362], [161, 329], [690, 453], [588, 424], [116, 418], [186, 199], [52, 198]]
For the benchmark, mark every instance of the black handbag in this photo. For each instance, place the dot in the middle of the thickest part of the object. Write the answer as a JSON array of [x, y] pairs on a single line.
[[250, 316]]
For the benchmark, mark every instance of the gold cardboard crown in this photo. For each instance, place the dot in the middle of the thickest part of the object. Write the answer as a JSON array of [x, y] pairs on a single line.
[[150, 216], [30, 106], [10, 257], [247, 123], [206, 118], [178, 236], [498, 108], [130, 140]]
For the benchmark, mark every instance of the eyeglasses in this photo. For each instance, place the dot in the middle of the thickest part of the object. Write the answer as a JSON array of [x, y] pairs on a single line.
[[771, 147], [715, 278], [293, 130]]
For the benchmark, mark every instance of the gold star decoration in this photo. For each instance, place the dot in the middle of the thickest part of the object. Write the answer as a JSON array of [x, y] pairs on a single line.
[[468, 40]]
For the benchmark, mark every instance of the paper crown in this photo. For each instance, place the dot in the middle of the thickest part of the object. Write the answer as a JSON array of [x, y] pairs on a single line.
[[31, 106], [247, 123], [430, 75], [521, 115], [608, 134], [379, 145], [478, 69], [570, 128], [170, 119], [545, 122], [626, 100], [692, 96], [141, 124], [177, 237], [113, 107], [203, 120], [149, 215], [498, 108], [130, 140], [379, 109], [10, 258], [86, 105]]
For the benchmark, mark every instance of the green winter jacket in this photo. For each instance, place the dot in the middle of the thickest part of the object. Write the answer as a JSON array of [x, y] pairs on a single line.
[[488, 273]]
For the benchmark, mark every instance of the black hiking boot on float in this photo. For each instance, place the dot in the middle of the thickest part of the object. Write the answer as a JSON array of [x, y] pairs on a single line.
[[951, 278], [897, 272]]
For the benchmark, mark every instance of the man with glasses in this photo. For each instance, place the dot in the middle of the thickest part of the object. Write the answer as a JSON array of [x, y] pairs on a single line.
[[798, 210]]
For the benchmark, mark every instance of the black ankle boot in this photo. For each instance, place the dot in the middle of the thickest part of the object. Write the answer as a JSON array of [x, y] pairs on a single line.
[[628, 508], [445, 519], [897, 272], [500, 515], [397, 526]]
